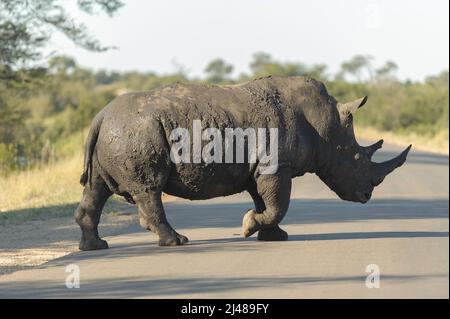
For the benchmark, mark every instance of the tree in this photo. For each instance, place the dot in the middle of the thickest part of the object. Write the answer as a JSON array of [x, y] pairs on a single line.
[[318, 72], [440, 79], [218, 71], [260, 61], [61, 65], [26, 27], [10, 117], [264, 65], [356, 66], [387, 71]]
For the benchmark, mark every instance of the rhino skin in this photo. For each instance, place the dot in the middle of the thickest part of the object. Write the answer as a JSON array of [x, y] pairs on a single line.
[[128, 152]]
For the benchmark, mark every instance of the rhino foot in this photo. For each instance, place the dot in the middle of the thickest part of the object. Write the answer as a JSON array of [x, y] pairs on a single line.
[[272, 234], [172, 240], [249, 224], [93, 244]]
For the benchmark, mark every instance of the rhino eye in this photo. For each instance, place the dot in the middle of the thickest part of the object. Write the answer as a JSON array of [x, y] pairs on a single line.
[[357, 156]]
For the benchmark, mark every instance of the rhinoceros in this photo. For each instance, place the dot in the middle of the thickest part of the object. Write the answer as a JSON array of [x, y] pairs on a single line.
[[128, 152]]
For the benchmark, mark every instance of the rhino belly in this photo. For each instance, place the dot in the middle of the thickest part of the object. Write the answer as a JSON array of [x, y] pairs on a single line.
[[200, 181]]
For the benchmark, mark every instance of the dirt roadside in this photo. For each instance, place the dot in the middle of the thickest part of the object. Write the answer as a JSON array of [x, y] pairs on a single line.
[[35, 242], [32, 243], [438, 144]]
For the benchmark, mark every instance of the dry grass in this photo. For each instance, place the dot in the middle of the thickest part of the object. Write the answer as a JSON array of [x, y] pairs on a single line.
[[437, 144], [52, 185]]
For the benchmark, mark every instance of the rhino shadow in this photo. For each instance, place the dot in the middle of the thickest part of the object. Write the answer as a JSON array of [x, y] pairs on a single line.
[[303, 211]]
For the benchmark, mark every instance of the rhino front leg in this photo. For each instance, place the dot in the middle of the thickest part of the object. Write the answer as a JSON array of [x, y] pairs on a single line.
[[87, 215], [257, 199], [274, 191], [152, 217], [270, 233]]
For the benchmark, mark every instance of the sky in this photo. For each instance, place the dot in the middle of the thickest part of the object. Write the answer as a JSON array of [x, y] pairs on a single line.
[[161, 35]]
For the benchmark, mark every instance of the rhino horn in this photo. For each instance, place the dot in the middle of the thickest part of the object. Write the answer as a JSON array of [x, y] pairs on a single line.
[[381, 170], [350, 107], [370, 150]]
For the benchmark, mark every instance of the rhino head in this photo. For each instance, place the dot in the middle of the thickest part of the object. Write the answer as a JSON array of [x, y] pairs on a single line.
[[347, 167]]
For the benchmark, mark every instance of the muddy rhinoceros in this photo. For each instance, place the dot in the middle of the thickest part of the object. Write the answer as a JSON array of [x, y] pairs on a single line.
[[129, 152]]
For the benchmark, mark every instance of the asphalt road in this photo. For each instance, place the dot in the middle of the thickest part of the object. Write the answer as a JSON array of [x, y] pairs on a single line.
[[403, 230]]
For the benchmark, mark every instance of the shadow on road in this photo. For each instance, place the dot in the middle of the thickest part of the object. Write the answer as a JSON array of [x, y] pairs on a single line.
[[147, 247], [367, 235], [185, 287], [301, 211]]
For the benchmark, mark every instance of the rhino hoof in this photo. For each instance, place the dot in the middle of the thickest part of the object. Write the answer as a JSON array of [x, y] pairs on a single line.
[[173, 241], [93, 244], [272, 234], [183, 239], [249, 224]]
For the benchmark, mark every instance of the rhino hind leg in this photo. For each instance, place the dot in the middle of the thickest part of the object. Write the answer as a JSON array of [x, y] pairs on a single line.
[[87, 215], [272, 195], [152, 217]]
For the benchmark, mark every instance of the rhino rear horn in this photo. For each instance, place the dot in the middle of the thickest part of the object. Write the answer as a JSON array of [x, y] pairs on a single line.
[[381, 170], [350, 107], [370, 150]]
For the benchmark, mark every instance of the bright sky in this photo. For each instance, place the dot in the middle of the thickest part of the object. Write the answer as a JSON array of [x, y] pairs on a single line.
[[158, 35]]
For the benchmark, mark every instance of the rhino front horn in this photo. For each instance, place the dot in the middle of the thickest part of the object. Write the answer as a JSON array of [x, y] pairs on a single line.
[[370, 150], [381, 170]]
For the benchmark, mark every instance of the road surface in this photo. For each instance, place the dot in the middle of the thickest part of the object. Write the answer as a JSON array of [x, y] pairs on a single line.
[[402, 232]]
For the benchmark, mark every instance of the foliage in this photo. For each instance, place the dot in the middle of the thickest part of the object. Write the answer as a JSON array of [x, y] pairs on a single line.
[[26, 27], [263, 65], [218, 71]]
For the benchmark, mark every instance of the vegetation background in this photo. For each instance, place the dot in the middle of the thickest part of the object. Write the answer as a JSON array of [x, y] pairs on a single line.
[[47, 102]]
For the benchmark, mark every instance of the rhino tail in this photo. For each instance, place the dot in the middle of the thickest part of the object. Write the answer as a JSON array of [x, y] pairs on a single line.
[[86, 176]]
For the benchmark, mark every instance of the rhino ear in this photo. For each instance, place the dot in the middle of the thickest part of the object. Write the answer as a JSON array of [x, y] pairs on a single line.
[[350, 107]]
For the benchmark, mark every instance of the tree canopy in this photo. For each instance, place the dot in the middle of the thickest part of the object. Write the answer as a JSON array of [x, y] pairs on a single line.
[[27, 26]]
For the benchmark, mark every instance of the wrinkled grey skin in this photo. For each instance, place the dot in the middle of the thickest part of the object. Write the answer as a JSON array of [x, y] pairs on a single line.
[[128, 152]]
